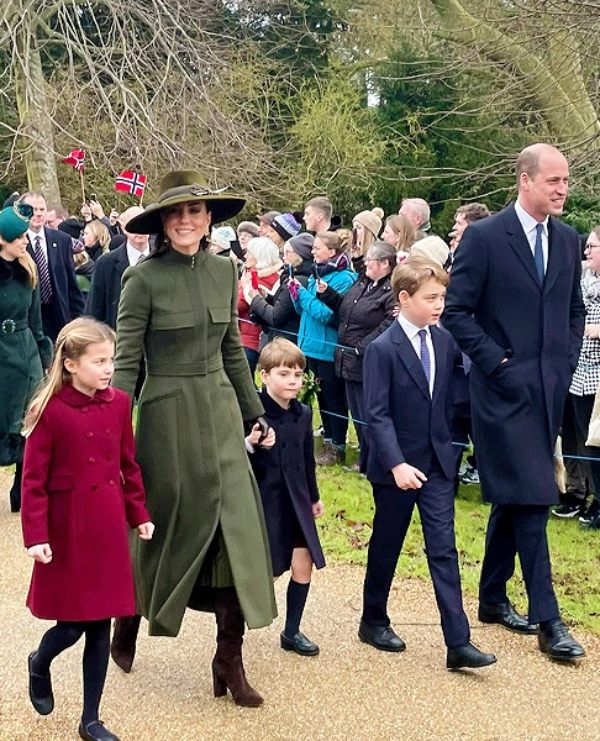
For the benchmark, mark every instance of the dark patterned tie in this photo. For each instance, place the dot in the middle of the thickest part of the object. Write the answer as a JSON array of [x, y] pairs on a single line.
[[538, 252], [44, 273], [425, 359]]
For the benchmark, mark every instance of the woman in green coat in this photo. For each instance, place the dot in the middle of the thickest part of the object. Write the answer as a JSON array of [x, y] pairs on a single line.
[[210, 549], [24, 350]]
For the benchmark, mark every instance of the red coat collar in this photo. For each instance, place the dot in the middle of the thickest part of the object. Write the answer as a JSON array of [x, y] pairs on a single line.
[[75, 398]]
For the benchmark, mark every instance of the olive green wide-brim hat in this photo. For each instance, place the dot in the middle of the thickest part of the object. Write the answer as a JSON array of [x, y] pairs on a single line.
[[14, 221], [185, 186]]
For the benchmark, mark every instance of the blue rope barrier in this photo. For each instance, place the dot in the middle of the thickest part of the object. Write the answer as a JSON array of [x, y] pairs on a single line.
[[565, 456]]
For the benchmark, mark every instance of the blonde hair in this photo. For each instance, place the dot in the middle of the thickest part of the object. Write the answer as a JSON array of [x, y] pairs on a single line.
[[100, 232], [411, 274], [404, 230], [72, 342], [27, 263], [281, 352], [81, 258]]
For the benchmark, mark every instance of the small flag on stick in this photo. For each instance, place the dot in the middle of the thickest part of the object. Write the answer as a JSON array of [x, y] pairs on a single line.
[[76, 158], [130, 181]]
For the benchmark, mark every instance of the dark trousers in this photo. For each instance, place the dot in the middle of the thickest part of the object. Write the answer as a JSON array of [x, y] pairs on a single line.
[[356, 402], [393, 513], [512, 529], [332, 401], [582, 412], [51, 324], [579, 476]]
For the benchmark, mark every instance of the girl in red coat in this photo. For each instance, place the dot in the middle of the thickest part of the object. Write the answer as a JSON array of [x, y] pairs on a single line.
[[81, 490]]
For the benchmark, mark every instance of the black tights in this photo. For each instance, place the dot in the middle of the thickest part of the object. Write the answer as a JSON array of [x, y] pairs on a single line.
[[95, 658]]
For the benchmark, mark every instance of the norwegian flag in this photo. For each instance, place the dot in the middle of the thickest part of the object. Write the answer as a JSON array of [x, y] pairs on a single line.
[[131, 182], [76, 158]]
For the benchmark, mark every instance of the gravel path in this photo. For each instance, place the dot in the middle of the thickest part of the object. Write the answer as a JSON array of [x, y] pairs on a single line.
[[349, 691]]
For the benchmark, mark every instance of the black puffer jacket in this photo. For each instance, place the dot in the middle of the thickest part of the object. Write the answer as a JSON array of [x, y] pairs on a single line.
[[276, 313], [363, 314]]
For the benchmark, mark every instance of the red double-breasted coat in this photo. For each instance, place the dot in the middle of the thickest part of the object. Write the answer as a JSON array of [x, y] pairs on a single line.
[[81, 489]]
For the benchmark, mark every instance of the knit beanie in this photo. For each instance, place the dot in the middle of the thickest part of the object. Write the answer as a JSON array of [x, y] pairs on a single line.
[[249, 227], [371, 220], [286, 226], [14, 221], [302, 245], [268, 217], [433, 248], [222, 237]]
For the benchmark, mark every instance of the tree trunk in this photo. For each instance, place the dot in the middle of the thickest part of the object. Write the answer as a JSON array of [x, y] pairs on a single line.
[[37, 135], [557, 88]]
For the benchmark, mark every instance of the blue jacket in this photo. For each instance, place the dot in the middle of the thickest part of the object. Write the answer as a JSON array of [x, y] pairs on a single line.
[[317, 336]]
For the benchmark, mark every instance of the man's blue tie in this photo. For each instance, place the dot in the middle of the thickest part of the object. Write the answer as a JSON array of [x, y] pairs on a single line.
[[538, 252], [425, 359]]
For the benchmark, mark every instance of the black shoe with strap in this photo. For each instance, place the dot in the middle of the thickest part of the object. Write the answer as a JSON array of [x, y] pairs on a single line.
[[40, 689], [96, 731], [381, 637], [504, 614], [555, 640], [468, 657]]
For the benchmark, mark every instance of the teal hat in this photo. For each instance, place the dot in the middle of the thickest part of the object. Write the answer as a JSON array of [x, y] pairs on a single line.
[[14, 221]]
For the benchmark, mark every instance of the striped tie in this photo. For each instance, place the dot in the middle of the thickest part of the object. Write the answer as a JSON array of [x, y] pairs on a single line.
[[425, 359], [44, 273]]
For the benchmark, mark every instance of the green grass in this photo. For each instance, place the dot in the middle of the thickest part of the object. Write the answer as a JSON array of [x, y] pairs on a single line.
[[345, 529]]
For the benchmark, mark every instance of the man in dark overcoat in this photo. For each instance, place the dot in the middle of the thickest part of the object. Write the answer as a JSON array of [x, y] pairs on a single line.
[[52, 251], [514, 306]]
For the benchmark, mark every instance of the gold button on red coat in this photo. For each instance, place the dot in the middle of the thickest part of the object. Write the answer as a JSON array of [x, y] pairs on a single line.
[[92, 460], [89, 434], [112, 482]]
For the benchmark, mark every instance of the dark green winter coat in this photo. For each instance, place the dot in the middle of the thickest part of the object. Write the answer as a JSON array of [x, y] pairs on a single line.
[[23, 351], [181, 313]]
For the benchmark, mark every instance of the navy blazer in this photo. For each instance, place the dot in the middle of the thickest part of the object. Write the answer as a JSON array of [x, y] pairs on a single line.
[[405, 424], [67, 300], [496, 308], [105, 291]]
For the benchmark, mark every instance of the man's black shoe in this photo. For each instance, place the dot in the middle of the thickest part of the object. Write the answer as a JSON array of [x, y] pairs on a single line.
[[40, 689], [504, 614], [300, 644], [555, 640], [468, 657], [381, 637]]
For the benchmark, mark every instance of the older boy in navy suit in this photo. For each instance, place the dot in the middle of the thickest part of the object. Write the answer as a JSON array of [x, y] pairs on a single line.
[[407, 374]]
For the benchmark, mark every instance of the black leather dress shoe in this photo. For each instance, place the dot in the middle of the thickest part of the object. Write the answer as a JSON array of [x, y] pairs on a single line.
[[555, 640], [96, 731], [504, 614], [468, 657], [300, 644], [381, 637], [40, 689]]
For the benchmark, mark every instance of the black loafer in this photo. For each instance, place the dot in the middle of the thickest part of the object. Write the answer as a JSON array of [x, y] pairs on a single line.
[[381, 637], [556, 641], [504, 614], [300, 644], [40, 689], [468, 657], [96, 731]]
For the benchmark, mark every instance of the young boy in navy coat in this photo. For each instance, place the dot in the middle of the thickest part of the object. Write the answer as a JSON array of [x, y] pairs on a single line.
[[284, 466], [407, 376]]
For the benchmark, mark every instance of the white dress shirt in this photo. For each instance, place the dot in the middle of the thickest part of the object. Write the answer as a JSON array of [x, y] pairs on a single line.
[[134, 255], [412, 332], [529, 224], [32, 236]]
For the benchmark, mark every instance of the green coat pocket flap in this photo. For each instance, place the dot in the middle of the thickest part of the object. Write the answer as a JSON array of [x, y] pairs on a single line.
[[219, 314], [173, 320]]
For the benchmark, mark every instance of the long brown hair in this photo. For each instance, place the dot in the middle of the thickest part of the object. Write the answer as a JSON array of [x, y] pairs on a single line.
[[72, 342]]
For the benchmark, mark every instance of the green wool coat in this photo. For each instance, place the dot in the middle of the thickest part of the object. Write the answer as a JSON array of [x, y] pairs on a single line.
[[180, 312], [23, 351]]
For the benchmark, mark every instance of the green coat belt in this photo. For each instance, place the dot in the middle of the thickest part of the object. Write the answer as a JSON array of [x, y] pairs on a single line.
[[180, 313]]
